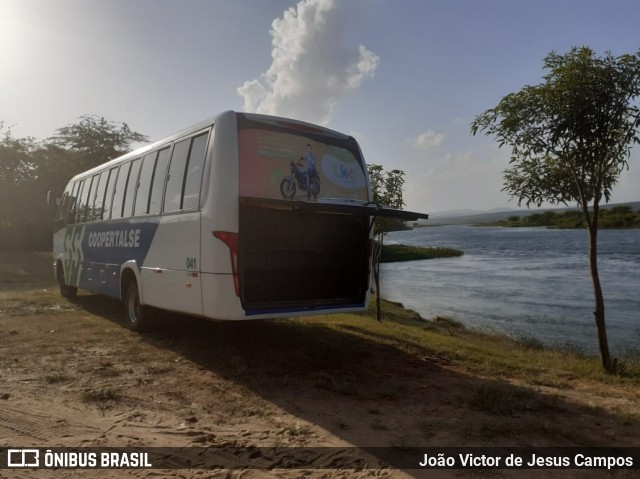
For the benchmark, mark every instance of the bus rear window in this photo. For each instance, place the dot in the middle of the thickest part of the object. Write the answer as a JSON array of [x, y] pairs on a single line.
[[270, 157]]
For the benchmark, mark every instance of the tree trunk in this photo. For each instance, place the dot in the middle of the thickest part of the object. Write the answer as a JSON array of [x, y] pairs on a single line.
[[599, 297]]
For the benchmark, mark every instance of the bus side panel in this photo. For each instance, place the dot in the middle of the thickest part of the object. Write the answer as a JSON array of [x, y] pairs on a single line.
[[94, 253], [171, 271]]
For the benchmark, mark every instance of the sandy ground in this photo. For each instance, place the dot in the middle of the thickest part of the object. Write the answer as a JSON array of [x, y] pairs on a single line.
[[72, 375]]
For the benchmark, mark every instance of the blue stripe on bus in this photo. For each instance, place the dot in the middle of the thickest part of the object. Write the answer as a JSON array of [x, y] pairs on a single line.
[[255, 312], [106, 246]]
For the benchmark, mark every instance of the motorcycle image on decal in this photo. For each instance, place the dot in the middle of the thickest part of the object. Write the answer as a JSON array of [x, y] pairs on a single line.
[[304, 180]]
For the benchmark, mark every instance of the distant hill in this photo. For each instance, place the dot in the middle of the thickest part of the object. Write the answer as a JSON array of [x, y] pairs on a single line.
[[468, 217]]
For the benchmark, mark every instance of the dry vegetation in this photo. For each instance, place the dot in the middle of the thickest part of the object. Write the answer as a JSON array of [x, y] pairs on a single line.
[[73, 376]]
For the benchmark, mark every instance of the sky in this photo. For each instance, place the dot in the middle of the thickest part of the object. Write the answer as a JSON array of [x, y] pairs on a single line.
[[404, 77]]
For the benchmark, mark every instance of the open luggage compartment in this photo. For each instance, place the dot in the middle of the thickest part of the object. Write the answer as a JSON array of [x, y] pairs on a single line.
[[302, 260]]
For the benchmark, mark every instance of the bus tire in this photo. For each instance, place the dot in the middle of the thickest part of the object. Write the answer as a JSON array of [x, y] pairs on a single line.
[[66, 291], [137, 316], [287, 188]]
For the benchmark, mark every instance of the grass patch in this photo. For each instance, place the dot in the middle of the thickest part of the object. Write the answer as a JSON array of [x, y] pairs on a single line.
[[25, 270], [56, 378], [296, 430], [33, 302], [530, 342], [393, 389], [507, 400], [400, 252], [157, 369], [446, 340], [104, 397], [343, 384]]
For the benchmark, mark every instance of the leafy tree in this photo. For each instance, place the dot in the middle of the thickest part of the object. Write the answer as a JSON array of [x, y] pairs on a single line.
[[16, 163], [16, 177], [55, 166], [96, 140], [386, 187], [570, 139], [28, 169]]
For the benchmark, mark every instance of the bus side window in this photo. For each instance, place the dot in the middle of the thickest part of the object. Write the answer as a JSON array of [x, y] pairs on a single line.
[[175, 177], [88, 213], [63, 206], [157, 186], [108, 195], [84, 200], [132, 187], [98, 204], [193, 178], [121, 187], [73, 202], [144, 185]]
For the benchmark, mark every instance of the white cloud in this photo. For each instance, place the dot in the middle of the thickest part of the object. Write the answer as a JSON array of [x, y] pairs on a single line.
[[456, 180], [312, 67], [428, 140]]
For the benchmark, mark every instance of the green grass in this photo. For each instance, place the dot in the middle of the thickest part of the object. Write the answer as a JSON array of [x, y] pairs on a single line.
[[25, 270], [446, 340], [104, 397]]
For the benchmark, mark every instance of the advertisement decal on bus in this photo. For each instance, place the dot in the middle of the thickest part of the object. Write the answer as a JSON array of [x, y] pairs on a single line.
[[270, 159]]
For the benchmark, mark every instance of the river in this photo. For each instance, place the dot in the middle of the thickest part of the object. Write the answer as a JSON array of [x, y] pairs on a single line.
[[525, 282]]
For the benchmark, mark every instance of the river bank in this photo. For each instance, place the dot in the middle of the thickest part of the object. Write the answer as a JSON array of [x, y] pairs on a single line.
[[618, 217]]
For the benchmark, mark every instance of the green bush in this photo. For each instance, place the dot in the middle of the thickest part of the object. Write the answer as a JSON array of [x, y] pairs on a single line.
[[400, 252]]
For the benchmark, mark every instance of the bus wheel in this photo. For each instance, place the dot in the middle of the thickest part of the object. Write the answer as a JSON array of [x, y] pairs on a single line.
[[65, 290], [287, 188], [137, 316]]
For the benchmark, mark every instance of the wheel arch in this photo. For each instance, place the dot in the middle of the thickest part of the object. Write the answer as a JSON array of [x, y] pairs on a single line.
[[130, 273]]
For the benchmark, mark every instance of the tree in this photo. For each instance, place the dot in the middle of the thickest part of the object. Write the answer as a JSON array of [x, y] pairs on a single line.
[[16, 165], [570, 140], [29, 168], [16, 178], [96, 140], [386, 187]]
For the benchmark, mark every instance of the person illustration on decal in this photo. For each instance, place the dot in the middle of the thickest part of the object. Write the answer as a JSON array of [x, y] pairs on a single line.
[[309, 162]]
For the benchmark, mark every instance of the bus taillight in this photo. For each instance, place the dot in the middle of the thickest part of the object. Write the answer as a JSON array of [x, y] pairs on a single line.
[[231, 240]]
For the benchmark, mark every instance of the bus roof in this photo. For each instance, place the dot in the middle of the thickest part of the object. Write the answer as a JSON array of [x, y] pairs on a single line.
[[280, 121]]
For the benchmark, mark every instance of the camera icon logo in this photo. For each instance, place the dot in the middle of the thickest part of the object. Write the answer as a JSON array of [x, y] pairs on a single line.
[[23, 458]]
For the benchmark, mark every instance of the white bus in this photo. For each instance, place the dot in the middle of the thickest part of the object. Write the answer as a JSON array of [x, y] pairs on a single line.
[[241, 216]]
